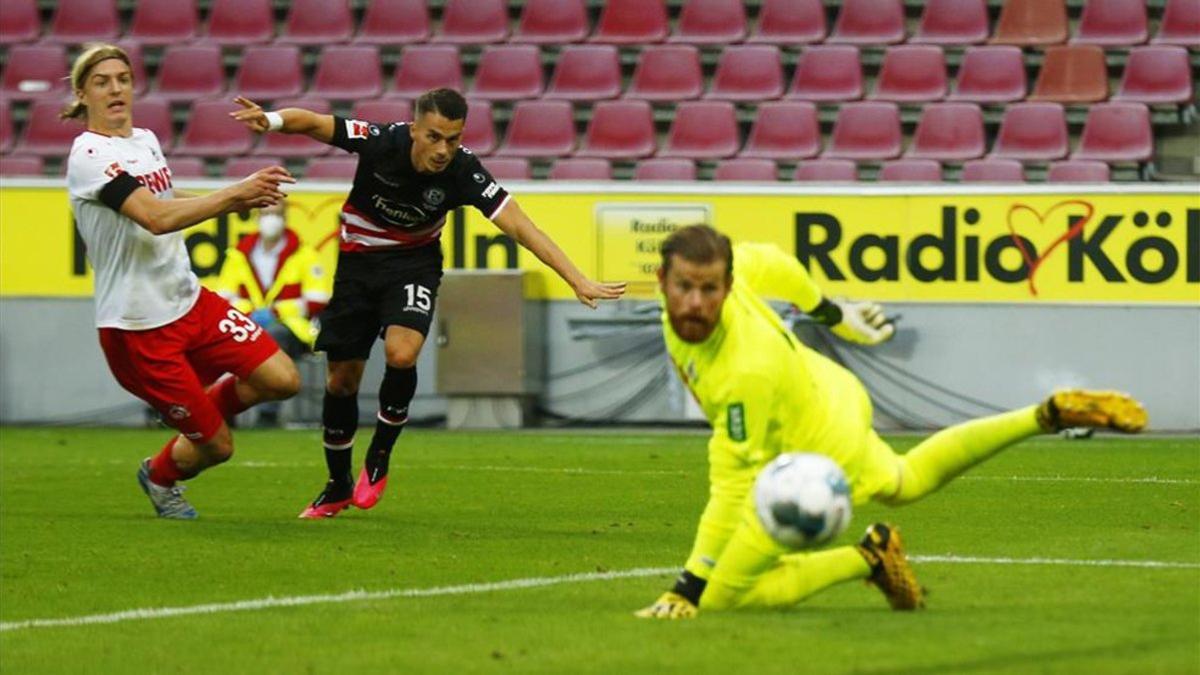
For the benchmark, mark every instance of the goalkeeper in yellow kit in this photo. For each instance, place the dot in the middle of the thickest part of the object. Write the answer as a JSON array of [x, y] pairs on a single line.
[[765, 393]]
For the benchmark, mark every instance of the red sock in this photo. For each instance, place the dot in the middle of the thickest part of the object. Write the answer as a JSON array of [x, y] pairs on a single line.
[[223, 394], [163, 470]]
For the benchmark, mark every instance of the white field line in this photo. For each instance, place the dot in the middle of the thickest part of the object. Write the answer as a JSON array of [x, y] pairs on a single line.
[[508, 585], [1086, 479]]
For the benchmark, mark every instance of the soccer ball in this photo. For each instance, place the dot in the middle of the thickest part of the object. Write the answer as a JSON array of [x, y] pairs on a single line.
[[802, 499]]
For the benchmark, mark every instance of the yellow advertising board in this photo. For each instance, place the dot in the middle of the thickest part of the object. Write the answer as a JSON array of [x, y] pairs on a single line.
[[890, 245]]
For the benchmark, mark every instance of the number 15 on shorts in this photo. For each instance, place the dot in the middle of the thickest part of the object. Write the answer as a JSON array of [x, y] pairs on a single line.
[[419, 298]]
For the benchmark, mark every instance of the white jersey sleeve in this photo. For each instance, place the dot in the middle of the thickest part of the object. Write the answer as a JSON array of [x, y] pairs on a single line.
[[91, 167]]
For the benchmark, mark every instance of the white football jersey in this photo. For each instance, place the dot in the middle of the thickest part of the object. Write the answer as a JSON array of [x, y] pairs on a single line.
[[142, 280]]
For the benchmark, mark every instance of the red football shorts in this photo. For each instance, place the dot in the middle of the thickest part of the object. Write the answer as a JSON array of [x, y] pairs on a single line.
[[170, 366]]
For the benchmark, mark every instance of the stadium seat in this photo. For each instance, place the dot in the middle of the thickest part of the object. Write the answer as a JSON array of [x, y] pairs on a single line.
[[619, 130], [186, 167], [394, 22], [949, 132], [993, 171], [81, 21], [425, 67], [952, 22], [473, 22], [912, 74], [164, 22], [19, 21], [1158, 74], [35, 71], [586, 73], [269, 72], [1180, 24], [479, 133], [211, 132], [748, 73], [826, 170], [828, 73], [670, 169], [632, 22], [1028, 23], [508, 168], [911, 171], [137, 65], [552, 22], [784, 130], [581, 168], [746, 170], [1032, 132], [667, 73], [331, 168], [1081, 171], [240, 167], [790, 22], [188, 72], [991, 74], [1112, 23], [711, 22], [317, 22], [869, 22], [21, 165], [540, 129], [866, 130], [240, 22], [45, 134], [1116, 132], [6, 126], [508, 72], [295, 145], [702, 130], [155, 114], [348, 73], [1072, 74], [384, 110]]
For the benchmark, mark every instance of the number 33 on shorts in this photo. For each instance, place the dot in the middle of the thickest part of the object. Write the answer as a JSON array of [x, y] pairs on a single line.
[[239, 326]]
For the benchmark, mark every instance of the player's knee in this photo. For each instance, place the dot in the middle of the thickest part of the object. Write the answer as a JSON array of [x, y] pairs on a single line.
[[286, 382], [403, 356], [218, 449], [340, 385]]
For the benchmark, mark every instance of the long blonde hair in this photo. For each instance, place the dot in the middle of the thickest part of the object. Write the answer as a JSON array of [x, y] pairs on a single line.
[[82, 67]]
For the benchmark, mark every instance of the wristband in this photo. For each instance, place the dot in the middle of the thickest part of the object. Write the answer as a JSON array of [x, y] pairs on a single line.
[[690, 586], [826, 313], [274, 121]]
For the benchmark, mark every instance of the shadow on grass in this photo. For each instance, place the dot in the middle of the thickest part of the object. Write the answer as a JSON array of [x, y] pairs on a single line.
[[1016, 661]]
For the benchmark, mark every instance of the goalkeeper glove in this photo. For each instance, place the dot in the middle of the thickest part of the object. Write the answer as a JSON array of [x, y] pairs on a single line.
[[862, 323], [678, 603]]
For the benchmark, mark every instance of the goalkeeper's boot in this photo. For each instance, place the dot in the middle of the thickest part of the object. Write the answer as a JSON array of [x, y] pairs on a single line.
[[370, 486], [890, 572], [1072, 408], [167, 501], [334, 499]]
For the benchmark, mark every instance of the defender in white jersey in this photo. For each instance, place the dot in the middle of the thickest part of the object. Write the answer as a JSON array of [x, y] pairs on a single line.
[[166, 339]]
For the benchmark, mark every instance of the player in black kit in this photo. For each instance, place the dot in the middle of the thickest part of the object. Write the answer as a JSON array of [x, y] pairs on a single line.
[[409, 175]]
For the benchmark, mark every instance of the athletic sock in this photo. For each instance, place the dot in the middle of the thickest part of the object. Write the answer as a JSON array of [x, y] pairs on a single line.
[[395, 394], [339, 417], [223, 394], [163, 469]]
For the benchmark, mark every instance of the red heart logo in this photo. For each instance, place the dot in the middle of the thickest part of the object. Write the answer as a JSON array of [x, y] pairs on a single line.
[[1073, 231]]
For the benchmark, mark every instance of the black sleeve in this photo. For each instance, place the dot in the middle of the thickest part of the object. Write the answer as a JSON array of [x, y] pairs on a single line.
[[358, 136], [117, 190], [480, 189]]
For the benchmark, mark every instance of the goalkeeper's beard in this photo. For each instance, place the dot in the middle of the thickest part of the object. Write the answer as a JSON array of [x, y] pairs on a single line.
[[692, 328]]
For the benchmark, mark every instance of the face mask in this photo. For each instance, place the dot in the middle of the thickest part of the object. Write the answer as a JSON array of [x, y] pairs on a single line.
[[270, 225]]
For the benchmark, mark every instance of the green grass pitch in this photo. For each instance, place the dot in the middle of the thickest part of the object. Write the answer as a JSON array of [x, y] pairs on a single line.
[[479, 534]]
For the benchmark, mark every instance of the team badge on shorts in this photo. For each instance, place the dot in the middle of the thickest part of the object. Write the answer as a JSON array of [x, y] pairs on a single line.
[[178, 412]]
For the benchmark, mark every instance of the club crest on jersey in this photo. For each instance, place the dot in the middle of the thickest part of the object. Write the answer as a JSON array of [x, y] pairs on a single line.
[[434, 196], [360, 129]]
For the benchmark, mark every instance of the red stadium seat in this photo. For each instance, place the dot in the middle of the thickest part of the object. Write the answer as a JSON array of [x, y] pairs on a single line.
[[992, 74], [746, 170], [80, 21], [949, 132], [748, 73], [19, 21], [241, 22], [619, 130], [1072, 74], [508, 168], [188, 72], [702, 130], [348, 73], [586, 73], [331, 168], [1160, 74], [552, 22], [35, 71], [295, 145], [672, 169], [667, 73], [828, 73], [45, 134], [155, 114], [1081, 171], [164, 22], [508, 72], [912, 73], [993, 171], [869, 22], [1112, 23], [790, 22], [317, 22], [953, 22], [868, 130], [240, 167], [711, 22], [632, 22], [425, 67], [833, 170], [1116, 132], [479, 133], [911, 171], [540, 129], [19, 165], [383, 110], [1030, 23], [784, 130], [186, 167], [473, 22], [1032, 132], [1180, 24], [6, 126], [211, 132], [394, 22], [581, 168], [269, 72]]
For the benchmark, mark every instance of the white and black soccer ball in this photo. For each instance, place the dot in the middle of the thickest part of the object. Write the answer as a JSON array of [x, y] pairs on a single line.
[[802, 499]]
